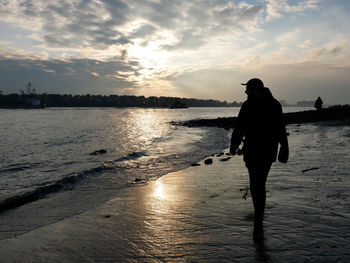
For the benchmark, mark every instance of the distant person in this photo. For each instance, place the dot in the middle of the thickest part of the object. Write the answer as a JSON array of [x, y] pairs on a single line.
[[260, 122], [318, 104]]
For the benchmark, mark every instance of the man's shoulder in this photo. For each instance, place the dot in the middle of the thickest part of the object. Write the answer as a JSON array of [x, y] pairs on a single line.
[[245, 103], [275, 103], [244, 108]]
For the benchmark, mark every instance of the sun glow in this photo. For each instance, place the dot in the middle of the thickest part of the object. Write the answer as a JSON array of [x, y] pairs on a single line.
[[151, 58]]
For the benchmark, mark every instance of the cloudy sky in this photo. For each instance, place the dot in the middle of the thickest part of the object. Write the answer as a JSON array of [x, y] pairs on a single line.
[[197, 48]]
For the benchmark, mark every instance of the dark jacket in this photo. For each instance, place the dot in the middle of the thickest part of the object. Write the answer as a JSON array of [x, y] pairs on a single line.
[[260, 122]]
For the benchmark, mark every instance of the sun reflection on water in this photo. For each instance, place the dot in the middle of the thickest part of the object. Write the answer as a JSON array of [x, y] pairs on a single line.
[[145, 126], [159, 190]]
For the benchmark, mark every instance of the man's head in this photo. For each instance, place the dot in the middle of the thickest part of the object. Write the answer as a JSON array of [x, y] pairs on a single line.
[[253, 87]]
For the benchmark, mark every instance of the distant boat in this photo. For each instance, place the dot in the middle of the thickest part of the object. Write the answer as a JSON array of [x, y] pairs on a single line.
[[178, 105], [27, 99], [32, 102]]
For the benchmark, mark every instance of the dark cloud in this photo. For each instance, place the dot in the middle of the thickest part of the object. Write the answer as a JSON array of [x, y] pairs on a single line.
[[119, 11], [29, 9], [337, 50], [79, 75], [97, 24], [317, 53], [143, 31], [165, 14], [124, 55], [250, 13], [203, 21], [82, 25], [188, 40]]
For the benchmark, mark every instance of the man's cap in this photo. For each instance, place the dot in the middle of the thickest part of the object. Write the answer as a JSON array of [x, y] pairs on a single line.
[[254, 83]]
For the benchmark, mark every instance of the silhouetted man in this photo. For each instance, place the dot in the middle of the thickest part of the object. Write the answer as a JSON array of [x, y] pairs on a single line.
[[318, 104], [260, 122]]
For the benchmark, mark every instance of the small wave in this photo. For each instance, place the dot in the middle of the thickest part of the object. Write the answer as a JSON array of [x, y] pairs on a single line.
[[62, 184], [131, 156], [38, 193], [19, 167]]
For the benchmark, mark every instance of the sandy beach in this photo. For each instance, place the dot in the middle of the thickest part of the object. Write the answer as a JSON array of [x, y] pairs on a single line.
[[200, 214]]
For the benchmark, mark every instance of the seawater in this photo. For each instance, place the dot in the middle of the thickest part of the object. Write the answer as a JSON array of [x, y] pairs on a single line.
[[47, 172]]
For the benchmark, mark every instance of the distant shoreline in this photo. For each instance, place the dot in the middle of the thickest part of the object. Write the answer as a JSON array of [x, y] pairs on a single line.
[[340, 114], [14, 107], [67, 100]]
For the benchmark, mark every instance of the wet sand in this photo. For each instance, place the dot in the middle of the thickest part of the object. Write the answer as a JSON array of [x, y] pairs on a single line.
[[195, 215]]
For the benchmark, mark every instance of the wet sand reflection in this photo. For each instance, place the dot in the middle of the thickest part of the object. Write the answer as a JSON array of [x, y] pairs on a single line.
[[262, 252], [195, 215], [181, 220]]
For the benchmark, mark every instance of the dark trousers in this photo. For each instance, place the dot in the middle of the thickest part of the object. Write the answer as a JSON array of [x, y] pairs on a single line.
[[257, 176]]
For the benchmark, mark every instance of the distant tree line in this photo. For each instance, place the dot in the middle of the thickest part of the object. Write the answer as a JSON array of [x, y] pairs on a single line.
[[59, 100]]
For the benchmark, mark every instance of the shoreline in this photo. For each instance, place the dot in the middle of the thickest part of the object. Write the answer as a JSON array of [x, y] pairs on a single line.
[[335, 113], [196, 214]]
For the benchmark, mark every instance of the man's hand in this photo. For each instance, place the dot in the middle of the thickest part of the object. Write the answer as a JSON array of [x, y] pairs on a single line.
[[283, 154]]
